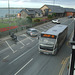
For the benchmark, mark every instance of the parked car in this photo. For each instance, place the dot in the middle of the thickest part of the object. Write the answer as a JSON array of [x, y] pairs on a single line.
[[32, 32], [70, 16], [57, 21], [74, 17]]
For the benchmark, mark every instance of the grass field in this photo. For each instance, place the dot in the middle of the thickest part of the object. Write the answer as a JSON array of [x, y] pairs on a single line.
[[3, 25], [5, 22]]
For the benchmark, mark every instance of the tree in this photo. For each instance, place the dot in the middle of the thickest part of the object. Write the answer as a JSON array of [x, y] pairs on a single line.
[[49, 16], [54, 14], [21, 21], [28, 19]]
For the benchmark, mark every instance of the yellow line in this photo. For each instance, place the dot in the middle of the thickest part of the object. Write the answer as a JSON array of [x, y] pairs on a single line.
[[64, 62], [68, 44]]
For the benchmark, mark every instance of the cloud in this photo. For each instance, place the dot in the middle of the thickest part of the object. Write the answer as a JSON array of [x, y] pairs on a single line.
[[11, 0], [36, 3], [39, 1]]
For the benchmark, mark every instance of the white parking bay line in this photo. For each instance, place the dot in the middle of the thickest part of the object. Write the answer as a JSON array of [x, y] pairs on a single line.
[[27, 43], [22, 47], [28, 37], [22, 54], [6, 57], [41, 28], [71, 22], [23, 67], [22, 43], [10, 47]]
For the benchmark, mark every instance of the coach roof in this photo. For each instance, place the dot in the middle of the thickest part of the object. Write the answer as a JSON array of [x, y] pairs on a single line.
[[55, 30]]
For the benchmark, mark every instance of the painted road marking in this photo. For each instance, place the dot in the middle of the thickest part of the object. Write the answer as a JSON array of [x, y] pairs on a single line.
[[42, 28], [23, 67], [71, 22], [3, 50], [27, 43], [6, 57], [28, 37], [22, 47], [10, 47], [22, 54], [64, 21], [21, 43], [64, 62], [33, 41]]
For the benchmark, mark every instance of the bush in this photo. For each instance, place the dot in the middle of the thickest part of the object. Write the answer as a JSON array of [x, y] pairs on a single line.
[[54, 14], [37, 20], [49, 16], [29, 19], [45, 19]]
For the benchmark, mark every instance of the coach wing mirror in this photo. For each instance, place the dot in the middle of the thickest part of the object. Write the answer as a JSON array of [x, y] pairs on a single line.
[[72, 42]]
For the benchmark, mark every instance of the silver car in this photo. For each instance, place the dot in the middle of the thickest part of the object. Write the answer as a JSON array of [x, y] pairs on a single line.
[[32, 32]]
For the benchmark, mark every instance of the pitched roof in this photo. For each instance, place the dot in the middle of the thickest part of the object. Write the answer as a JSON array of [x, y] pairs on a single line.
[[69, 9], [56, 9], [32, 11]]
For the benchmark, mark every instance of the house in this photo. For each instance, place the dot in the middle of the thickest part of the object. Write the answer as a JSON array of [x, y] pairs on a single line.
[[32, 12], [49, 9], [69, 11]]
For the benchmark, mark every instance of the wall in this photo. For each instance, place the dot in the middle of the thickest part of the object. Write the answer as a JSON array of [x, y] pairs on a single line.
[[43, 8], [37, 15], [23, 14], [69, 13]]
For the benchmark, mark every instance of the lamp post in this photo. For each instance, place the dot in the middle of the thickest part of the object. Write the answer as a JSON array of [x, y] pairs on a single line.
[[9, 15], [8, 10]]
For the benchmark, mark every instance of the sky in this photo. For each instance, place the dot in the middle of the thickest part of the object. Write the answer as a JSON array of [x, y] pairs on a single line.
[[37, 3]]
